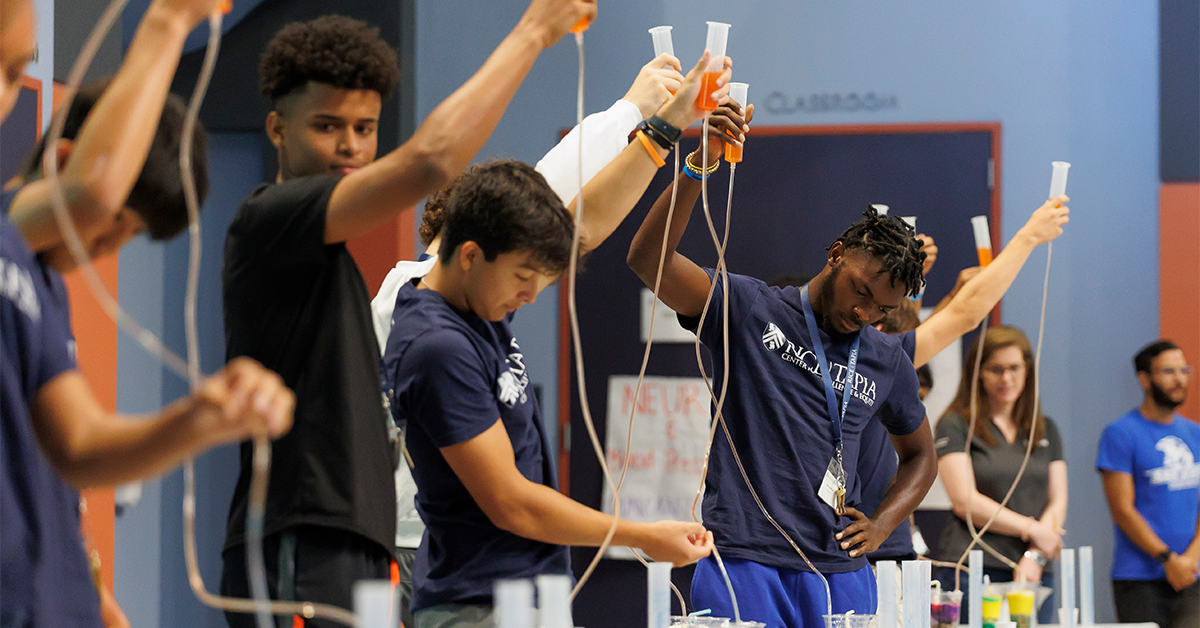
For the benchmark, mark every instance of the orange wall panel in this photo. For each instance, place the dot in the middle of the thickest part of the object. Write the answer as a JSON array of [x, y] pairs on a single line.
[[377, 252], [1179, 276]]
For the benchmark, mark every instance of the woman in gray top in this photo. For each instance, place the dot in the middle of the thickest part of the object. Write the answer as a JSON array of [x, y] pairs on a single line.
[[1028, 531]]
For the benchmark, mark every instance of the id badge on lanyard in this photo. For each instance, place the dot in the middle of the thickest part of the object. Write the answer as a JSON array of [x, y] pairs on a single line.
[[833, 486]]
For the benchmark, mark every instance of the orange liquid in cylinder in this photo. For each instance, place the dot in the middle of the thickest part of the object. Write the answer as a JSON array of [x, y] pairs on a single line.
[[985, 257], [733, 154], [582, 25], [226, 7], [708, 85]]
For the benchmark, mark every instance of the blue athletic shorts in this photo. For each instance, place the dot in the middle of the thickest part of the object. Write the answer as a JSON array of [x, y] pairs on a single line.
[[778, 597]]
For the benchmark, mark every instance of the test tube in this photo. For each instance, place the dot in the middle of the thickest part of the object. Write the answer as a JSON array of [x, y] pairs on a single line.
[[718, 36], [983, 239], [739, 93], [975, 588], [374, 604], [912, 594], [887, 613], [661, 35], [658, 595], [1067, 565], [1087, 603], [514, 603], [554, 609], [1058, 178]]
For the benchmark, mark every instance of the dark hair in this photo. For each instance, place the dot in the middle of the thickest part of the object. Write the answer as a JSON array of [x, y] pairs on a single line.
[[504, 206], [790, 281], [157, 195], [1143, 362], [434, 215], [925, 376], [335, 50], [893, 242], [1024, 413]]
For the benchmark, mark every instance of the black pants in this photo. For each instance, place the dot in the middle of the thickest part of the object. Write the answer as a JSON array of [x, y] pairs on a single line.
[[1156, 601], [318, 565]]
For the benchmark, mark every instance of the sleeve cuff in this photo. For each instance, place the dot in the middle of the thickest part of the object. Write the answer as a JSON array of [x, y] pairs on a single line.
[[626, 114]]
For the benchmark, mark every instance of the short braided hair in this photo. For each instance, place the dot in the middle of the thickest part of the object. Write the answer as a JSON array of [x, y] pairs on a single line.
[[894, 243]]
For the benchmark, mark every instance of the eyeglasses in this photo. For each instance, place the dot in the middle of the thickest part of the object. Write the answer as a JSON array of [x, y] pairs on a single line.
[[1000, 371], [1183, 370]]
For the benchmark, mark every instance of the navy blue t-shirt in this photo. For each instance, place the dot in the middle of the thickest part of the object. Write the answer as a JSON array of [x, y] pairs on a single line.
[[877, 464], [451, 375], [1161, 459], [45, 579], [778, 418]]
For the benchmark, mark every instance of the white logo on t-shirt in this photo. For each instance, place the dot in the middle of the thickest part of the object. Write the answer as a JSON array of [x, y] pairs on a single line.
[[862, 387], [1179, 470], [16, 284], [511, 385]]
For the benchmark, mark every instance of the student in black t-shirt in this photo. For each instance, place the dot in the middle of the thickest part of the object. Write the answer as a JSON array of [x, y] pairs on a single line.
[[456, 376], [295, 300], [120, 173]]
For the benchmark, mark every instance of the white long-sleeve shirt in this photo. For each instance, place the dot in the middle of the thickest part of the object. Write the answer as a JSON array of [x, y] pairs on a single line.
[[605, 135]]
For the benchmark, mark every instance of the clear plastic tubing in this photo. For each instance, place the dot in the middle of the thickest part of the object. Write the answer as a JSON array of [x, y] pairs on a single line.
[[662, 40], [718, 36], [554, 609], [1058, 178], [514, 603], [739, 92], [658, 595], [983, 239]]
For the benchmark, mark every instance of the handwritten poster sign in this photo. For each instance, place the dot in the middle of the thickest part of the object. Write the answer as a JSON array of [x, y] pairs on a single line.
[[670, 432]]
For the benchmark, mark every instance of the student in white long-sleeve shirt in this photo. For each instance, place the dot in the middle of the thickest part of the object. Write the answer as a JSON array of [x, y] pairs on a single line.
[[605, 135]]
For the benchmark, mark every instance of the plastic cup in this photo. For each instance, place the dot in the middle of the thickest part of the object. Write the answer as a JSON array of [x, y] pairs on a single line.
[[990, 608], [1058, 178], [945, 609], [850, 620], [1020, 607], [983, 239], [661, 35], [718, 36]]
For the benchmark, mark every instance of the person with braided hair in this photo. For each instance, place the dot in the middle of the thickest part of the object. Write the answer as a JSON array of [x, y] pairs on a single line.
[[788, 412]]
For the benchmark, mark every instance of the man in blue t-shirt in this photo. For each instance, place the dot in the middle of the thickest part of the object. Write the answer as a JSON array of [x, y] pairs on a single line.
[[121, 177], [786, 420], [1147, 459], [456, 376]]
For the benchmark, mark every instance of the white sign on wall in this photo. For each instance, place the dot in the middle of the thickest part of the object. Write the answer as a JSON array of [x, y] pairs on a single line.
[[670, 431]]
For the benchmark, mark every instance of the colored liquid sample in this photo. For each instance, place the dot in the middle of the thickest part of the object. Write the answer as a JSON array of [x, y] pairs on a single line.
[[582, 25], [985, 257], [708, 85], [226, 7], [733, 154]]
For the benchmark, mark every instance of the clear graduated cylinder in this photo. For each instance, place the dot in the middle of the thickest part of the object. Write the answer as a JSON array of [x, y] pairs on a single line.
[[1058, 178], [718, 36], [661, 36], [739, 93], [983, 239]]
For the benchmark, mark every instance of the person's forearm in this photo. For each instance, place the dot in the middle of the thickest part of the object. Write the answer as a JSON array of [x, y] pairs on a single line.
[[543, 514], [914, 476], [1057, 509], [647, 242], [114, 449], [112, 145], [443, 145], [982, 507], [1139, 531], [979, 295], [610, 195]]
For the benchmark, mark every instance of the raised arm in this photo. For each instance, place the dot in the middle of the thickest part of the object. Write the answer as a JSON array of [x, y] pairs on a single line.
[[978, 296], [91, 447], [487, 468], [454, 132], [606, 134], [684, 286], [112, 145]]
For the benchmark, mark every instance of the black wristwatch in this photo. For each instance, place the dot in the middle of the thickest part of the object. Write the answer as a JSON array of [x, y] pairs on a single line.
[[1164, 556], [662, 132]]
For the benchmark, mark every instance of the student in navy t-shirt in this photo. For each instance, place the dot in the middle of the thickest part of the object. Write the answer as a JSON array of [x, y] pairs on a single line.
[[1147, 459], [121, 177], [778, 412], [456, 376]]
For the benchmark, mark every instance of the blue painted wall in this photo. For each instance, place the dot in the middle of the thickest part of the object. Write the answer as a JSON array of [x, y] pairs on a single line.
[[1067, 80]]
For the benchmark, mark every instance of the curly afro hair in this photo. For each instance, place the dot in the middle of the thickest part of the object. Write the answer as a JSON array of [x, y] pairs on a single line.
[[335, 50]]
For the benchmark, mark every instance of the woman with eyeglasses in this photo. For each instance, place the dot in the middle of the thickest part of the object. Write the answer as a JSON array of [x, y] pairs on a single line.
[[1028, 530]]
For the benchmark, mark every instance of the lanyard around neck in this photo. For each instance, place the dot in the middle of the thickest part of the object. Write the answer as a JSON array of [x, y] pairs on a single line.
[[826, 377]]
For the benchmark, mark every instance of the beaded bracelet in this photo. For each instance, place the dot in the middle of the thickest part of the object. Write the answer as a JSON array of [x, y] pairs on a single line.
[[697, 169]]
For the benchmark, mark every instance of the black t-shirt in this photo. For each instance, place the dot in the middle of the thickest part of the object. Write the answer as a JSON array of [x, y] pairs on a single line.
[[301, 308], [995, 468]]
